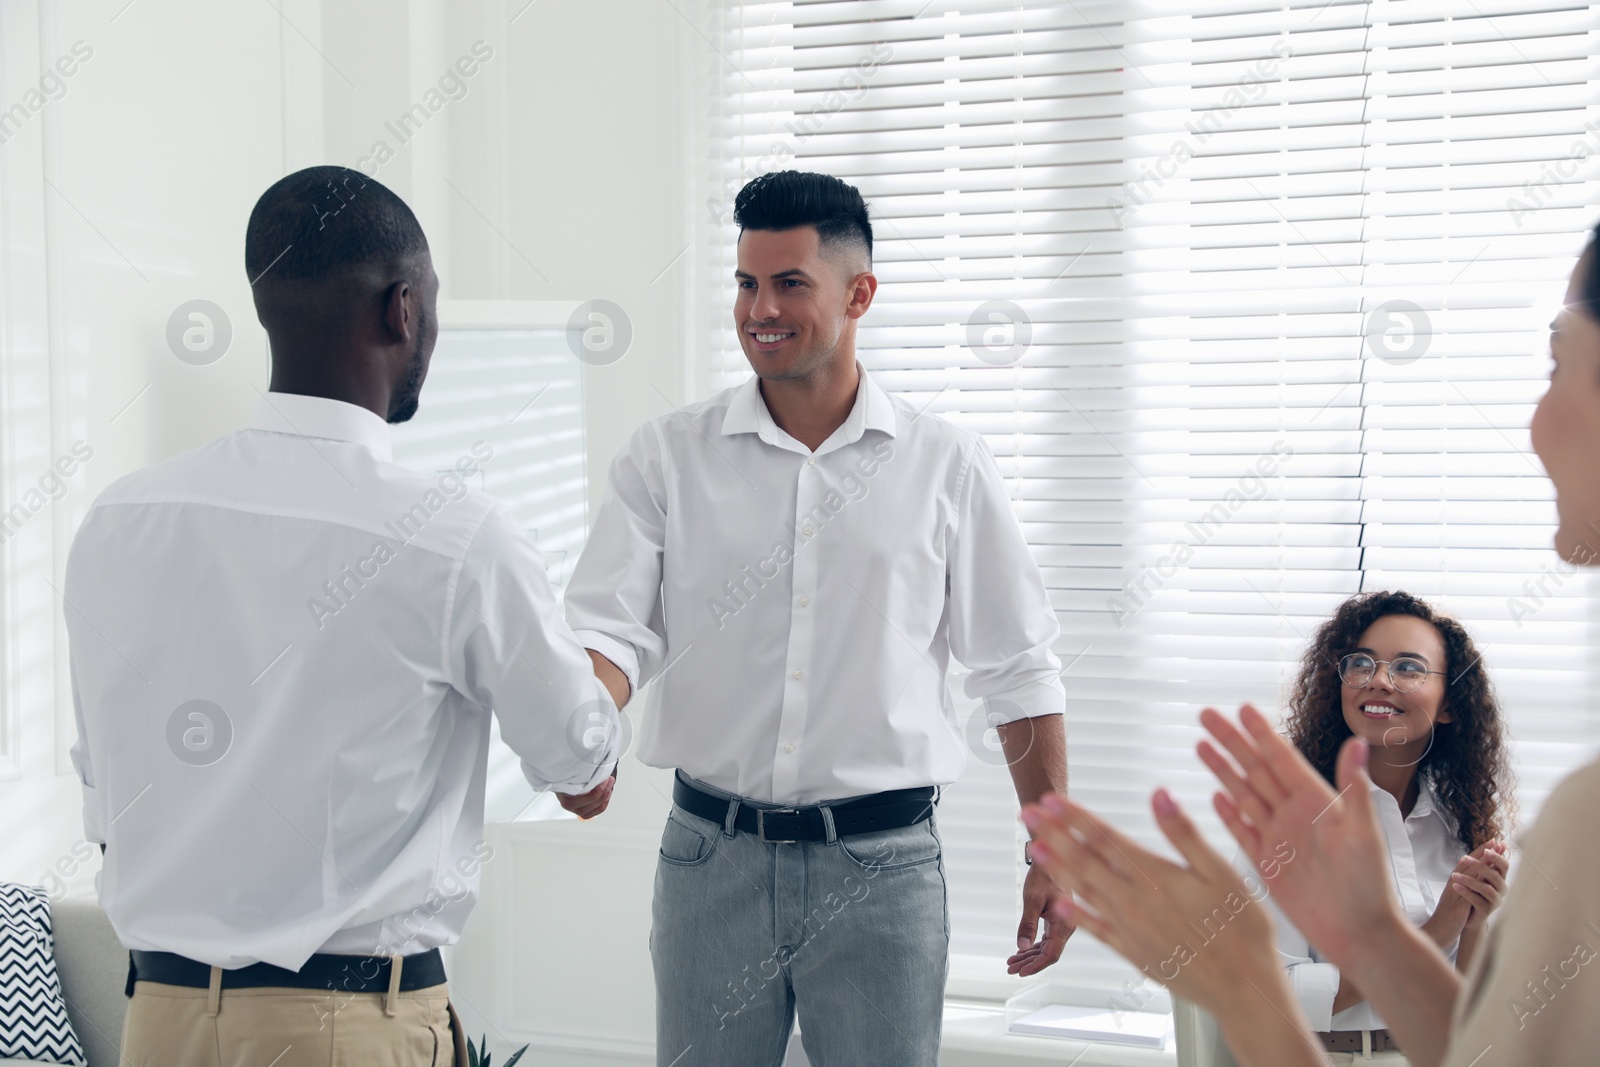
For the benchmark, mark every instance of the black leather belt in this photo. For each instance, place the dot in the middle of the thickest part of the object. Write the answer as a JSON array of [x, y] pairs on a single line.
[[880, 811], [345, 974], [1350, 1041]]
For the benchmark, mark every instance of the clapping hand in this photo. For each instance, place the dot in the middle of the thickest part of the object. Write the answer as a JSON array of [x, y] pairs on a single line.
[[1480, 880], [1275, 800], [1194, 928]]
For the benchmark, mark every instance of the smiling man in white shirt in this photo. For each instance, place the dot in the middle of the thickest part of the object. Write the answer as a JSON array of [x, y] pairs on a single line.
[[794, 563], [286, 649]]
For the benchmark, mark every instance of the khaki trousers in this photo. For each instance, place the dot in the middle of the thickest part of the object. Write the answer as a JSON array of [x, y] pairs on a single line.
[[176, 1026]]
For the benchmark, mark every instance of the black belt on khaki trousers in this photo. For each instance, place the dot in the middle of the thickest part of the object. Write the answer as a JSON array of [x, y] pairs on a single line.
[[323, 971], [1350, 1041], [880, 811]]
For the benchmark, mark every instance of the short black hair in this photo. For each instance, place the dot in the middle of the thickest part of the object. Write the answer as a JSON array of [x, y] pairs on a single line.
[[1590, 291], [320, 221], [787, 199]]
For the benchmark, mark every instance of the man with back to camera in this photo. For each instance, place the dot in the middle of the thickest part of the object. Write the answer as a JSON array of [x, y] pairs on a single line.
[[286, 650], [795, 561]]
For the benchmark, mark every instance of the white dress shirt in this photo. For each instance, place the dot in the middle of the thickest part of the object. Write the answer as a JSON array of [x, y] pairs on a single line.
[[798, 610], [350, 624], [1423, 851]]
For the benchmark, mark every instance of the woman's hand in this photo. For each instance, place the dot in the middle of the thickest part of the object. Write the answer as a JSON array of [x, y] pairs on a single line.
[[1450, 915], [1472, 892], [1275, 802], [1480, 880], [1336, 889], [1194, 928]]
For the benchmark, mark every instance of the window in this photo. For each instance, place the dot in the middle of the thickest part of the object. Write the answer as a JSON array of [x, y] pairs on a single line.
[[505, 395], [1249, 299]]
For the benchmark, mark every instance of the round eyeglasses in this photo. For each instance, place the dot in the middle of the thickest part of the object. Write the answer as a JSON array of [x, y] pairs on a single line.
[[1407, 674]]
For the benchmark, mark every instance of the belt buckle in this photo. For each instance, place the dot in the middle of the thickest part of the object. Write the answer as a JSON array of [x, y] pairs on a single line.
[[761, 825]]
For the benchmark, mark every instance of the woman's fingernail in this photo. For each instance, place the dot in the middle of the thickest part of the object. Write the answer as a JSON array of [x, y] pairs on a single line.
[[1042, 851], [1053, 804], [1164, 804], [1030, 818]]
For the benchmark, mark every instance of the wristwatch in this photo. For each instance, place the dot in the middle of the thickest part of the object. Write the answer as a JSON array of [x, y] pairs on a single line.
[[1027, 853]]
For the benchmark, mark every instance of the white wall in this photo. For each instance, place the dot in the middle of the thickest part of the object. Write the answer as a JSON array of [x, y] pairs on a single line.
[[558, 175]]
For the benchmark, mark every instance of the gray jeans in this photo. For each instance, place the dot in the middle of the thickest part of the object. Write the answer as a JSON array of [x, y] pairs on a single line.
[[852, 933]]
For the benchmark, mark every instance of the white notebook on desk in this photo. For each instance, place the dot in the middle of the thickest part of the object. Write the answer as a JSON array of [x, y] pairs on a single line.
[[1138, 1028]]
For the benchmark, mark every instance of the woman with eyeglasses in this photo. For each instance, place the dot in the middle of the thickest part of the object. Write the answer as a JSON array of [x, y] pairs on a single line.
[[1410, 682], [1532, 996]]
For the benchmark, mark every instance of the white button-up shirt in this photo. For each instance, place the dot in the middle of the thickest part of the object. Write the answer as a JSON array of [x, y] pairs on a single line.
[[1423, 851], [285, 652], [798, 611]]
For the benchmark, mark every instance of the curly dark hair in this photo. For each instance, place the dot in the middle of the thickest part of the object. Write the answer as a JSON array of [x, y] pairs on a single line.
[[1467, 764]]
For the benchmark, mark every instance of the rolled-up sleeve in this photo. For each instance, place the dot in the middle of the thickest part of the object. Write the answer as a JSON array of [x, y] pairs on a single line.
[[510, 650], [1315, 985], [1002, 626], [613, 600]]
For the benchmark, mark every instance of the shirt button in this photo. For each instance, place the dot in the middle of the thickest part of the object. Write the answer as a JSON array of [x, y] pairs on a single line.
[[811, 461], [804, 601], [789, 747], [806, 530], [797, 674]]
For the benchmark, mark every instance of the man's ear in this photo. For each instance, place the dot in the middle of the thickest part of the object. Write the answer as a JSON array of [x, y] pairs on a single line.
[[399, 315], [862, 289]]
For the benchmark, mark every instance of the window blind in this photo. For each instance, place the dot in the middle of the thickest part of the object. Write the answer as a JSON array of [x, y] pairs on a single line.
[[508, 400], [1248, 298]]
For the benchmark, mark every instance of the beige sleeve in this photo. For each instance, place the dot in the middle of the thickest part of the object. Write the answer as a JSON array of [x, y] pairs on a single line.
[[1533, 994]]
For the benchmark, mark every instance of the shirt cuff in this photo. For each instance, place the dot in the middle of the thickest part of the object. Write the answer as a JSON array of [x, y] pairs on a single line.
[[1025, 702], [574, 788], [93, 817], [618, 652], [1315, 986]]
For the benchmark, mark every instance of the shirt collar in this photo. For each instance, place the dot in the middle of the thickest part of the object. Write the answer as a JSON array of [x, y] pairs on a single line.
[[1427, 802], [873, 410], [320, 416]]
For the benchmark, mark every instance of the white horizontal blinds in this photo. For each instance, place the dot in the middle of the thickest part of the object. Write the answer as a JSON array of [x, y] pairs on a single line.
[[1199, 211], [957, 123], [1358, 262], [516, 397], [1407, 154], [1481, 231]]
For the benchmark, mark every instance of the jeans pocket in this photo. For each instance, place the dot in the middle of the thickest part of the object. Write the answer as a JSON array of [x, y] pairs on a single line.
[[684, 846], [892, 850]]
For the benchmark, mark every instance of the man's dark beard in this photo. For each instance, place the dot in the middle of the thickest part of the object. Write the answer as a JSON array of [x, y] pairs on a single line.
[[405, 401]]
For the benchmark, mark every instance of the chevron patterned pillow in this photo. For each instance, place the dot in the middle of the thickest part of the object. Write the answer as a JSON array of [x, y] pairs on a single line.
[[33, 1015]]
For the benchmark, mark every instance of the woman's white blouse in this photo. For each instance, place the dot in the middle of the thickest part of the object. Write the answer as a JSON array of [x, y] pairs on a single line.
[[1423, 851]]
